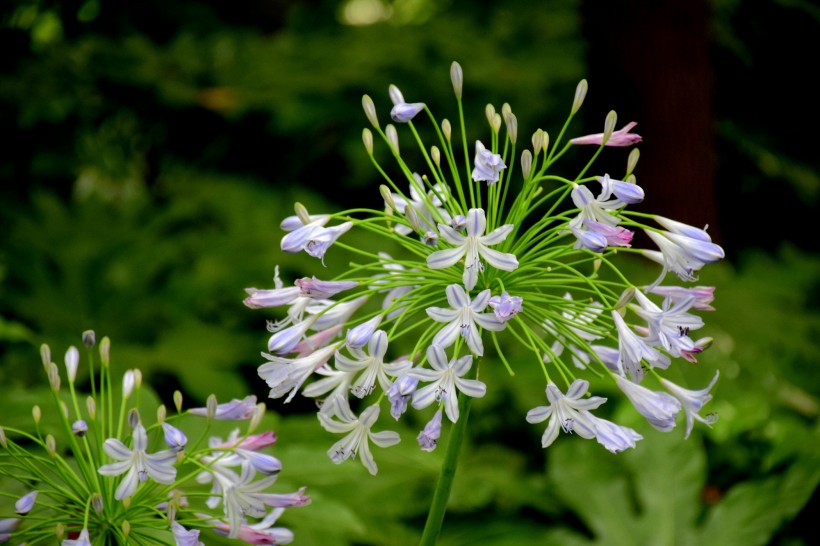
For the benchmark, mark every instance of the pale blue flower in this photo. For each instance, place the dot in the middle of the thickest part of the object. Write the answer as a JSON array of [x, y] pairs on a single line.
[[358, 336], [614, 437], [446, 380], [400, 393], [463, 317], [136, 464], [488, 165], [570, 412], [356, 442], [79, 428], [473, 247], [286, 375], [669, 327], [692, 402], [184, 537], [626, 192], [505, 306], [371, 365], [428, 437], [632, 349], [659, 408]]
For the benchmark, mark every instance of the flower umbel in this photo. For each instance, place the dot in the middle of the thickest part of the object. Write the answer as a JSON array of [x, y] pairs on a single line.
[[483, 260]]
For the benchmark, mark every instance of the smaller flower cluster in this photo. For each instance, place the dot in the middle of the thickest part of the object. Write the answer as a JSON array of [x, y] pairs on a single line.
[[109, 484]]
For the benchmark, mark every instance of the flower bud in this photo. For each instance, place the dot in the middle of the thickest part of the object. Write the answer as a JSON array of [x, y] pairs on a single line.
[[3, 440], [625, 298], [395, 94], [609, 125], [430, 238], [91, 407], [403, 112], [632, 161], [257, 417], [526, 163], [171, 512], [25, 503], [161, 413], [436, 155], [489, 111], [496, 123], [51, 445], [133, 418], [126, 528], [370, 111], [178, 400], [537, 142], [545, 141], [367, 138], [512, 127], [506, 110], [428, 437], [89, 338], [53, 376], [392, 137], [45, 355], [105, 351], [37, 414], [457, 77], [128, 381], [72, 360], [580, 94], [59, 532], [412, 217], [210, 405], [64, 407], [126, 502], [174, 437], [358, 336], [301, 213], [446, 129], [388, 197], [79, 428], [97, 503]]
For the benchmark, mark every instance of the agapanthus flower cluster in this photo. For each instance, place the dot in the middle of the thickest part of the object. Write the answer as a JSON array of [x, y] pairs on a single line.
[[109, 475], [487, 256]]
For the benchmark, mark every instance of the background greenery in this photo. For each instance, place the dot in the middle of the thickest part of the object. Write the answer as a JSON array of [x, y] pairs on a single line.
[[152, 148]]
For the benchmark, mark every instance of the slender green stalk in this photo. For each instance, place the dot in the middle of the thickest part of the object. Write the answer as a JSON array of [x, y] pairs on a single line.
[[435, 517]]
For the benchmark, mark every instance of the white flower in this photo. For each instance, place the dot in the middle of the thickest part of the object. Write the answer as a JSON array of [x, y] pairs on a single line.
[[463, 317], [184, 537], [570, 412], [447, 377], [692, 402], [137, 464], [82, 540], [356, 441], [473, 247], [371, 365]]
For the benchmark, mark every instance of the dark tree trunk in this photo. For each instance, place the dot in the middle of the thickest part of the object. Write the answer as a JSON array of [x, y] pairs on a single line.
[[649, 60]]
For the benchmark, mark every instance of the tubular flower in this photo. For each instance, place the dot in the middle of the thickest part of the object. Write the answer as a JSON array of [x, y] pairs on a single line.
[[486, 261]]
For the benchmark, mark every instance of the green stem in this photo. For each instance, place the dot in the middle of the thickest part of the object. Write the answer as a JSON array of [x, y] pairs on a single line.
[[448, 471]]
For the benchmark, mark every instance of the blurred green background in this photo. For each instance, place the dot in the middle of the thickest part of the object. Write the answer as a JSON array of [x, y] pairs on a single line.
[[151, 149]]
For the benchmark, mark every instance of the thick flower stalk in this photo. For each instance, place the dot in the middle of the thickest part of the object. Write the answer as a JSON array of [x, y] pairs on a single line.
[[490, 256], [114, 477]]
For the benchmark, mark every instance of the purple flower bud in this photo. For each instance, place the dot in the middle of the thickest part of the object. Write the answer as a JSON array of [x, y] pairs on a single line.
[[615, 236], [399, 394], [621, 137], [274, 297], [316, 289], [589, 239], [174, 437], [235, 410], [624, 191], [79, 428], [359, 336], [25, 503], [458, 222], [261, 462], [404, 112], [428, 438], [430, 238]]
